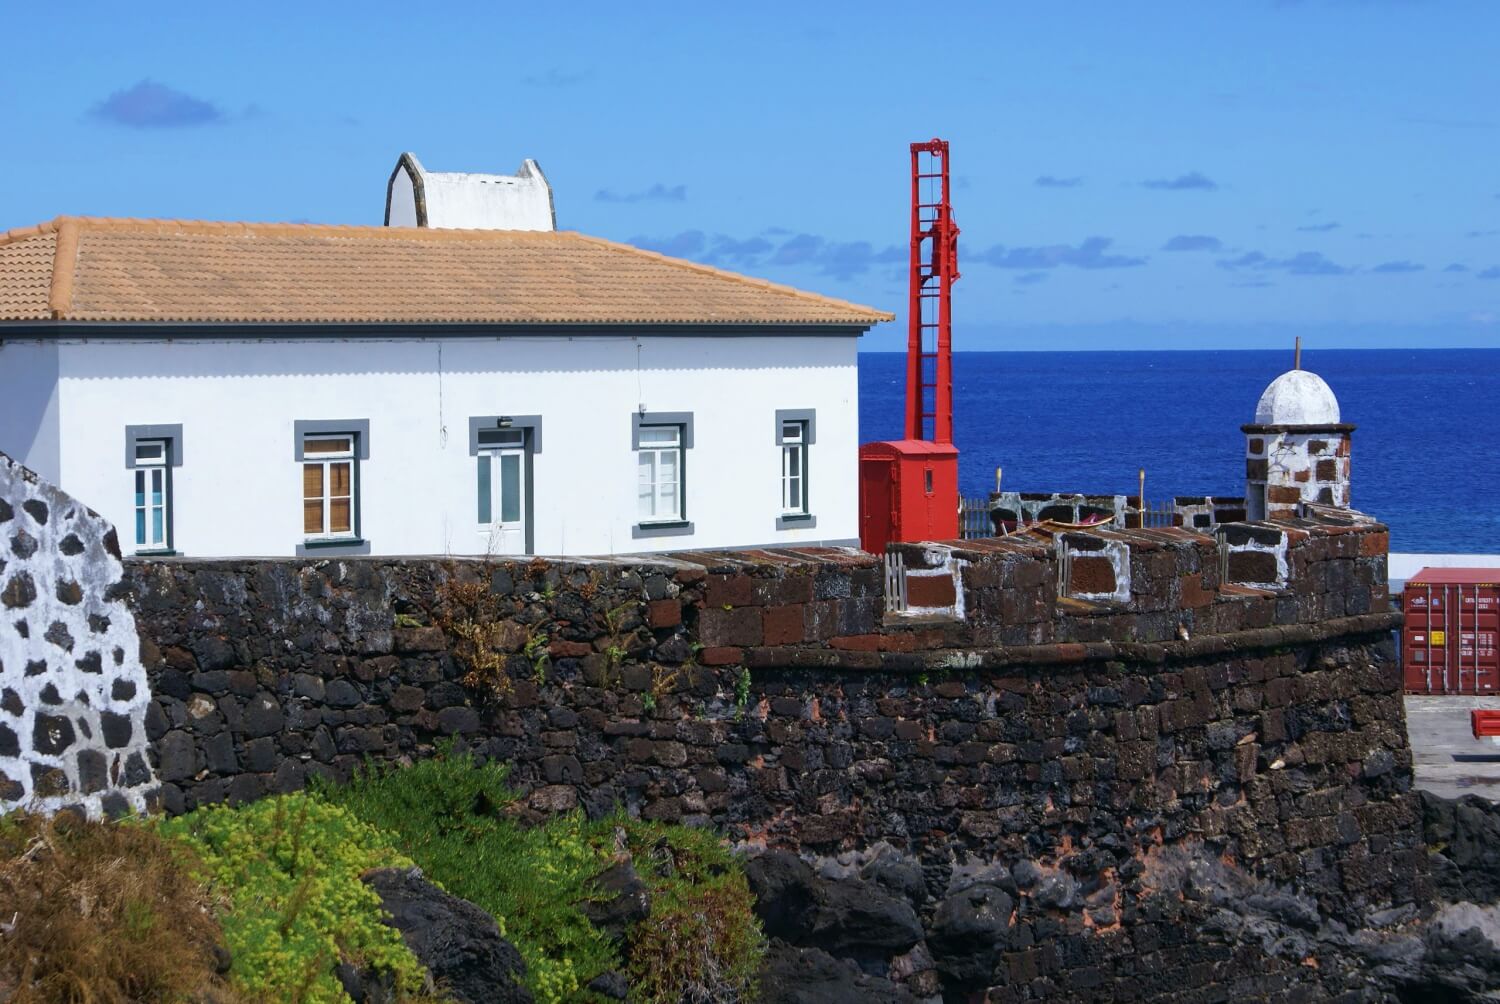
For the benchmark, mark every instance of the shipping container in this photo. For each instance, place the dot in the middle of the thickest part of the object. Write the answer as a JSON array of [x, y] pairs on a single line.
[[1450, 636]]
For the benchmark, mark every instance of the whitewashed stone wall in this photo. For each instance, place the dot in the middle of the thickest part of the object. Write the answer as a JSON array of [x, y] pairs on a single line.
[[73, 695], [1286, 466]]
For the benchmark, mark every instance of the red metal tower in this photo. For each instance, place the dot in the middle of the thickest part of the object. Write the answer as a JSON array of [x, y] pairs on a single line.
[[908, 489], [934, 269]]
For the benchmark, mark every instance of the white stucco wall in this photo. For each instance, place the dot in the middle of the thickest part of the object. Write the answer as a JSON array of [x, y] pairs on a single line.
[[238, 490], [28, 405]]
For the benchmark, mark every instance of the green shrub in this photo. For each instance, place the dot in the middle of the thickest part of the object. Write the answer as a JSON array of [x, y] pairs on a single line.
[[289, 868], [446, 813], [700, 943]]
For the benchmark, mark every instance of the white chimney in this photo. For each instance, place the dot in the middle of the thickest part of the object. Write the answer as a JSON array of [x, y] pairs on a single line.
[[416, 197]]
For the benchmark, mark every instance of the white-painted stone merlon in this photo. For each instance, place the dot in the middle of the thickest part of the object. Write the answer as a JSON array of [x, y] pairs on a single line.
[[73, 694]]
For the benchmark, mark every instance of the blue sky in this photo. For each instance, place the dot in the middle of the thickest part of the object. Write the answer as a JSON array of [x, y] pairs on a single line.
[[1149, 175]]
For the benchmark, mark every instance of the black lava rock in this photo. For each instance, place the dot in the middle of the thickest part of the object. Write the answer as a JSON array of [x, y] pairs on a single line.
[[795, 975], [458, 942], [969, 932]]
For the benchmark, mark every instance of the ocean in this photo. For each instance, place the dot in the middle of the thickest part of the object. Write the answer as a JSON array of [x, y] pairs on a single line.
[[1426, 450]]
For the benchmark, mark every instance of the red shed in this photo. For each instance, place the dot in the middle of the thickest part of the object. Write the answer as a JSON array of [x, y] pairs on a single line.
[[908, 490], [1451, 629]]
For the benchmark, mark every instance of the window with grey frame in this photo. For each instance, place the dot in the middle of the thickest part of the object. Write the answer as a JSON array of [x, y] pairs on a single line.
[[794, 468], [659, 471], [151, 453], [796, 431], [153, 495], [330, 482], [502, 472], [661, 441]]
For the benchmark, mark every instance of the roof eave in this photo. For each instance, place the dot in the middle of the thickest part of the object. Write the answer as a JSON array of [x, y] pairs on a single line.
[[68, 328]]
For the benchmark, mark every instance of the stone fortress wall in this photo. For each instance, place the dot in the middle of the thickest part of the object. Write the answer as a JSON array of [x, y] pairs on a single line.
[[1047, 771], [1024, 767]]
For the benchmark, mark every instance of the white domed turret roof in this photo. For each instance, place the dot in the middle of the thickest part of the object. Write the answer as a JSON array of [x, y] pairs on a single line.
[[1297, 397]]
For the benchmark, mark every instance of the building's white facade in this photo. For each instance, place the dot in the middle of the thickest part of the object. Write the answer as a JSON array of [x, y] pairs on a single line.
[[231, 409]]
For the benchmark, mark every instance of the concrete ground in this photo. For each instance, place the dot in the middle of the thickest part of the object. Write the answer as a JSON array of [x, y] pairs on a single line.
[[1440, 732]]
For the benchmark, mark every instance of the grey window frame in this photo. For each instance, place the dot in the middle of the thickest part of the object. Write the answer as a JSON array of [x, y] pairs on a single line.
[[682, 526], [530, 426], [808, 417], [171, 434], [359, 428], [136, 433]]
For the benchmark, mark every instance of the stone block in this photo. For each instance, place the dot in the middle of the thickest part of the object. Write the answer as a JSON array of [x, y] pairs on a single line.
[[733, 590], [738, 627], [419, 639], [664, 613], [783, 625], [930, 590]]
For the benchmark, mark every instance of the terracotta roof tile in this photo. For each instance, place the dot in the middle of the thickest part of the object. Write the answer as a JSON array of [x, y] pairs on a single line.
[[90, 269]]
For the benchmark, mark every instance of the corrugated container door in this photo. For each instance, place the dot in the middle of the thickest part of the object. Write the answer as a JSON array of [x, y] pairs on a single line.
[[1475, 608], [1423, 639]]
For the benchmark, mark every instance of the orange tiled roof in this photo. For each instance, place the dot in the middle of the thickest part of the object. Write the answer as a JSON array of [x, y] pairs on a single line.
[[90, 269]]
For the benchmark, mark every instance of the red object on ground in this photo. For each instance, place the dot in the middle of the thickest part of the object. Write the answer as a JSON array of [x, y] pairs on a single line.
[[1486, 724], [908, 488], [1450, 637]]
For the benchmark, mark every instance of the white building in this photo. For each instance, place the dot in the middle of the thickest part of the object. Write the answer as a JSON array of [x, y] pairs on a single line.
[[264, 389]]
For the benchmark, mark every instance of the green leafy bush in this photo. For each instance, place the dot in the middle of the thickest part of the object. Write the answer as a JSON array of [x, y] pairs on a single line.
[[289, 868], [446, 813], [700, 943]]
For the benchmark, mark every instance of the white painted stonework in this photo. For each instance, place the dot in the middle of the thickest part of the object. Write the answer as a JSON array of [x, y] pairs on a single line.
[[1297, 450], [237, 487], [1297, 397], [462, 200], [73, 694]]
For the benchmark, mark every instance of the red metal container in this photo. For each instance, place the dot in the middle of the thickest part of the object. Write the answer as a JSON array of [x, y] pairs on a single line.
[[908, 491], [1450, 639]]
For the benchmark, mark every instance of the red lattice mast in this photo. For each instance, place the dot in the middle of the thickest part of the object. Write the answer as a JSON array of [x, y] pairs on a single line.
[[934, 269]]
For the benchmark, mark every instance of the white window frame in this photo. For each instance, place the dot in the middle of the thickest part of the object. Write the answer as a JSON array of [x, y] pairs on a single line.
[[325, 460], [794, 464], [656, 451], [796, 435], [146, 470], [489, 479]]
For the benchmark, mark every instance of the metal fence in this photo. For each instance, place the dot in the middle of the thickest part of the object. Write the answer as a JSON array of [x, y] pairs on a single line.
[[895, 582], [1159, 514], [974, 516]]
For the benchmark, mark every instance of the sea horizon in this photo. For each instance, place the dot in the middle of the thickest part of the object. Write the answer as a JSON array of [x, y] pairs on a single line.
[[1088, 420]]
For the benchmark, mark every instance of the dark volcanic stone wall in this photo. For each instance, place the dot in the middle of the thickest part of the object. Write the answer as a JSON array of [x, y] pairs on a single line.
[[1073, 799]]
